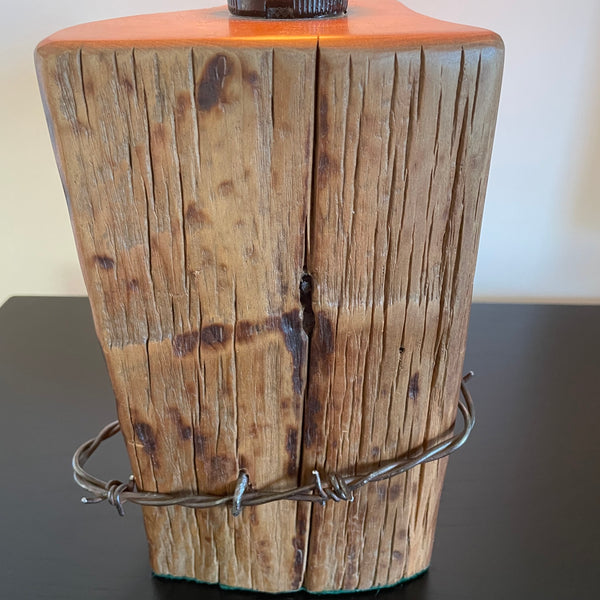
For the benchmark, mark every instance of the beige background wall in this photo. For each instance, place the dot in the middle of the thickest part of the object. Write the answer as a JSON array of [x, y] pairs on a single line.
[[541, 236]]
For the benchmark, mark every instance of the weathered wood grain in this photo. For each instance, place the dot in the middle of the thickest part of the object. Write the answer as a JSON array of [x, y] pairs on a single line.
[[278, 237], [402, 156], [190, 216]]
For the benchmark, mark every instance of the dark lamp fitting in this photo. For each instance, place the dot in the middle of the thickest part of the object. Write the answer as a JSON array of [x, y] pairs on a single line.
[[287, 9]]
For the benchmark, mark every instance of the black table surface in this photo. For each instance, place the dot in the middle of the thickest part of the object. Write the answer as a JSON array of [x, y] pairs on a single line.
[[519, 514]]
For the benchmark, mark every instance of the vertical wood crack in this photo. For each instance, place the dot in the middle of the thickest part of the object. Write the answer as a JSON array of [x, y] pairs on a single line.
[[306, 298], [308, 314]]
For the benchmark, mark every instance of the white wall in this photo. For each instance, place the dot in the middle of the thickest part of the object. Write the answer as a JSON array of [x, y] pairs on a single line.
[[541, 235], [541, 230]]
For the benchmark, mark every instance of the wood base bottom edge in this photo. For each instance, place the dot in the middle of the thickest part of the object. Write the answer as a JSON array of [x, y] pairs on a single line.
[[301, 589]]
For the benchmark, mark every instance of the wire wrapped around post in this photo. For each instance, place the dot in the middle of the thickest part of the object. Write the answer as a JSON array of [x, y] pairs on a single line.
[[336, 487]]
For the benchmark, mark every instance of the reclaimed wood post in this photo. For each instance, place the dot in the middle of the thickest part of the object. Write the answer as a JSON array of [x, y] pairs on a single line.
[[277, 222]]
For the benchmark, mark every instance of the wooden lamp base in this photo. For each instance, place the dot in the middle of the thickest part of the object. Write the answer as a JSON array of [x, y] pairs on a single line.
[[277, 222]]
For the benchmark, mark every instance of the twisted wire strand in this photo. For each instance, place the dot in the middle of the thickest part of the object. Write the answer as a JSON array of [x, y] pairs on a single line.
[[336, 487]]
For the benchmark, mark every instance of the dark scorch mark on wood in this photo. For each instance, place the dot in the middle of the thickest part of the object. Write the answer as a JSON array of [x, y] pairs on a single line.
[[301, 527], [312, 413], [291, 447], [185, 343], [126, 84], [298, 561], [214, 335], [323, 166], [196, 216], [327, 166], [145, 434], [225, 188], [246, 330], [413, 387], [212, 83], [289, 324], [104, 262], [252, 78], [185, 431], [325, 334], [183, 104], [291, 328], [201, 445]]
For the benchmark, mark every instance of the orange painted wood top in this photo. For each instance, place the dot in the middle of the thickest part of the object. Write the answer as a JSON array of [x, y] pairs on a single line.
[[385, 23]]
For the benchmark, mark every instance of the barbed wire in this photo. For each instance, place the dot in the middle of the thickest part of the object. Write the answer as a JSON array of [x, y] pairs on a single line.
[[336, 487]]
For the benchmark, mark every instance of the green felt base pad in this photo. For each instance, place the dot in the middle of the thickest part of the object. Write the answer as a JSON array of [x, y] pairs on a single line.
[[325, 592]]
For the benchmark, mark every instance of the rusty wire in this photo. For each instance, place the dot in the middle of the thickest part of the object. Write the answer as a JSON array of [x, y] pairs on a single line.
[[334, 487]]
